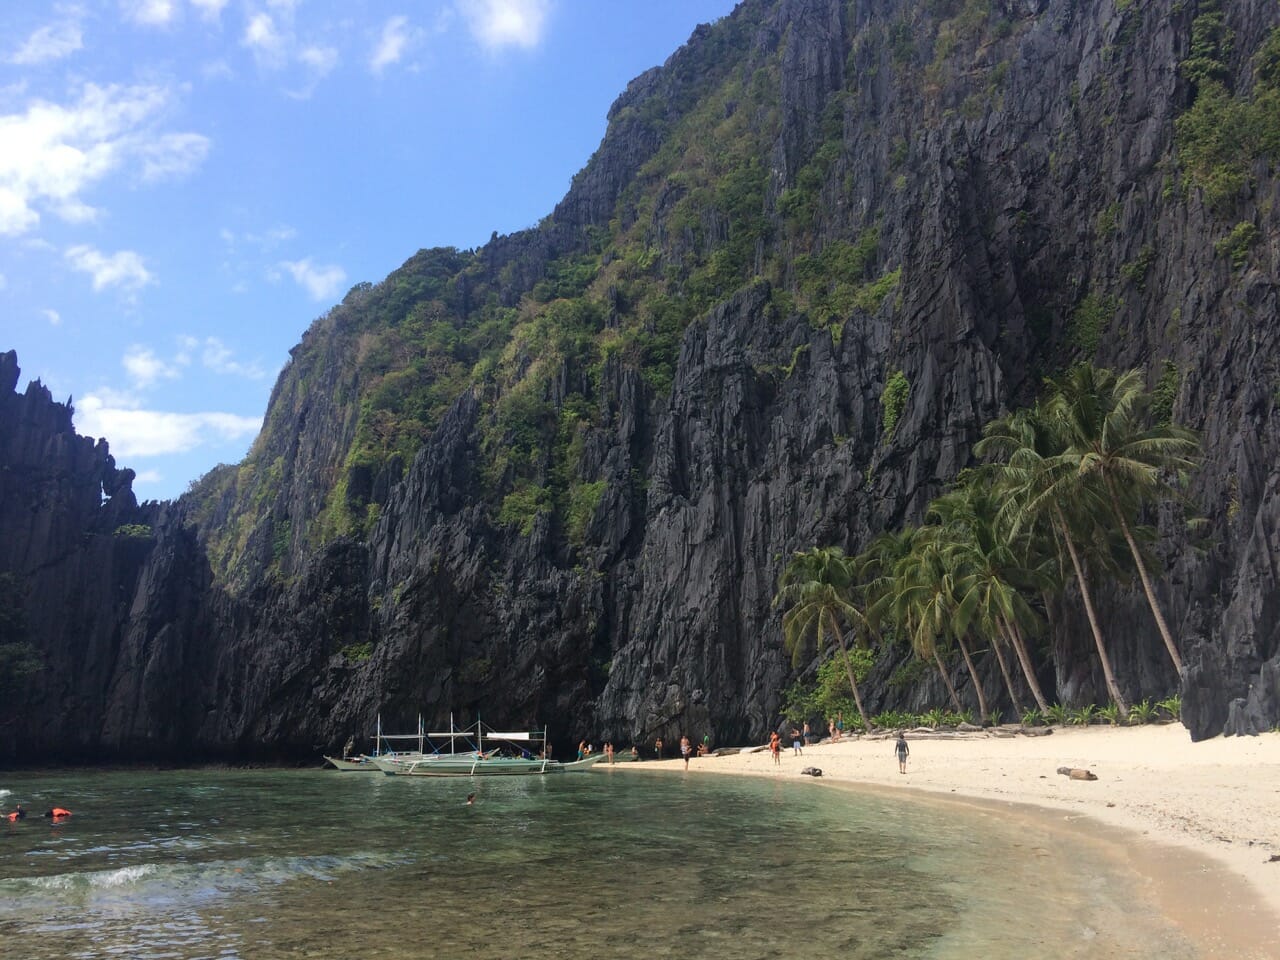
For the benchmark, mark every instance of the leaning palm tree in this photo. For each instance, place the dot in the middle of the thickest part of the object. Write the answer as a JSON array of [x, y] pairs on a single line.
[[923, 604], [988, 575], [1112, 442], [817, 589], [1026, 446]]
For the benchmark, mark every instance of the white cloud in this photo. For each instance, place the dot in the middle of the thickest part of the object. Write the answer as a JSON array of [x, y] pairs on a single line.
[[319, 59], [146, 478], [321, 282], [209, 9], [53, 316], [264, 40], [145, 368], [149, 13], [217, 70], [506, 23], [123, 269], [134, 432], [391, 45], [53, 153], [52, 42], [172, 155], [218, 357]]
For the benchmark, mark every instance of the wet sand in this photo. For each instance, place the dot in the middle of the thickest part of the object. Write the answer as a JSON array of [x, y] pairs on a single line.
[[1206, 815]]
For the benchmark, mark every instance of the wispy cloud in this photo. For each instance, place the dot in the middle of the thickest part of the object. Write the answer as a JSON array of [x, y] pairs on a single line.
[[135, 432], [172, 156], [147, 478], [53, 316], [218, 357], [148, 13], [264, 40], [52, 42], [123, 269], [209, 9], [496, 24], [53, 153], [391, 44], [321, 282], [145, 369]]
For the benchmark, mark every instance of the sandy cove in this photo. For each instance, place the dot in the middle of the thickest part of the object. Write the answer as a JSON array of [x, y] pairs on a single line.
[[1218, 800]]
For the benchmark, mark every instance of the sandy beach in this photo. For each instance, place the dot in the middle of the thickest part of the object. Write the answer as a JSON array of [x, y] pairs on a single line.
[[1205, 816]]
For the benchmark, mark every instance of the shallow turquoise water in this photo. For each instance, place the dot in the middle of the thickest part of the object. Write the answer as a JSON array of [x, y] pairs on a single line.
[[265, 864]]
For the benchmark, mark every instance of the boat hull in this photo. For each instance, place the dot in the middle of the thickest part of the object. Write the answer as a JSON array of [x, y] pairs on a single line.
[[486, 767], [353, 764]]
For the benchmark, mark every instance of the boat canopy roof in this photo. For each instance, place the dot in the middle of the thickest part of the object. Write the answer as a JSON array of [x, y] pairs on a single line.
[[522, 735]]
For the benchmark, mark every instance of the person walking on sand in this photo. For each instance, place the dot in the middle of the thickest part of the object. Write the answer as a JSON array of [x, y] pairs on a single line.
[[796, 743], [903, 751], [775, 747], [686, 748]]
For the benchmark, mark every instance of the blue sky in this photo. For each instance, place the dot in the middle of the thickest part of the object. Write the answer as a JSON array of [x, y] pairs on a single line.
[[186, 184]]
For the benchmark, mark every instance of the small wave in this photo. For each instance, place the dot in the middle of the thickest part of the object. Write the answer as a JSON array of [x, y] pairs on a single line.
[[103, 879], [4, 793], [145, 886]]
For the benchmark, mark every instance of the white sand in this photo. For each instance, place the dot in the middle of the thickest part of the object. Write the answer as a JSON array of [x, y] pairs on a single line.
[[1218, 800]]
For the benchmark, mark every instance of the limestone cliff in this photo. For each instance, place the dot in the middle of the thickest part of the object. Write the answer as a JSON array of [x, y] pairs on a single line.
[[556, 479]]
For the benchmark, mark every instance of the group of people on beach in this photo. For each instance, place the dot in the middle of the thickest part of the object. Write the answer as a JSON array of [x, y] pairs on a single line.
[[800, 738]]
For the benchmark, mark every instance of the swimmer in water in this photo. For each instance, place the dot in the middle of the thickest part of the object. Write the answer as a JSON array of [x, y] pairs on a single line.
[[471, 799], [18, 814], [57, 814]]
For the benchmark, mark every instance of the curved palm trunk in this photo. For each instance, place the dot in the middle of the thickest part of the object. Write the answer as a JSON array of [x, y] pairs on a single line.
[[853, 683], [1108, 674], [1008, 680], [1147, 588], [973, 676], [955, 700], [1024, 660]]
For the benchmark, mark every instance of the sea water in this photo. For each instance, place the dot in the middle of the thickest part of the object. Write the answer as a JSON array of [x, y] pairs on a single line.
[[261, 864]]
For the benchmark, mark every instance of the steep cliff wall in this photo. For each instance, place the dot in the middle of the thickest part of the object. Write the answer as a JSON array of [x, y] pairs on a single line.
[[1009, 184]]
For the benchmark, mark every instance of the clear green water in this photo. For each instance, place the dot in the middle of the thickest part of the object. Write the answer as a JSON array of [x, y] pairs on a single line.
[[265, 864]]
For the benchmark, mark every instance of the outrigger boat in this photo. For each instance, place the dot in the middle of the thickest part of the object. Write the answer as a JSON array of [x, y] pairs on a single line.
[[505, 755], [385, 750]]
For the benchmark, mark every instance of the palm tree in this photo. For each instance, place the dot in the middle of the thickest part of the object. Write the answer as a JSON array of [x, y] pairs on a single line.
[[923, 604], [986, 567], [1112, 442], [1026, 447], [817, 588]]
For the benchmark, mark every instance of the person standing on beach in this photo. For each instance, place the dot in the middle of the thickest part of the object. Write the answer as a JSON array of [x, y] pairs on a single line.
[[796, 743], [657, 746], [903, 751], [775, 747], [807, 734], [686, 748]]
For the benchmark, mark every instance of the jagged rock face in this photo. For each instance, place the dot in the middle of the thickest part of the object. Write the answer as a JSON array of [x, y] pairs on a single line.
[[1003, 201]]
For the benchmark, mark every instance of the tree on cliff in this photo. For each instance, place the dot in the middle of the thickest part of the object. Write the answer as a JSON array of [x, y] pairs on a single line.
[[817, 589]]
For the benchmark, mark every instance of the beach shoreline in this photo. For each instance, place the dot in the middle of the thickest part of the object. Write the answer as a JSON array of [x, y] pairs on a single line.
[[1207, 814]]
